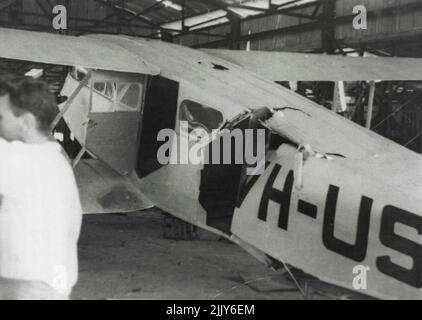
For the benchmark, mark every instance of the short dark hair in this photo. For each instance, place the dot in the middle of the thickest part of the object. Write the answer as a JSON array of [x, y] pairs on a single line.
[[29, 95]]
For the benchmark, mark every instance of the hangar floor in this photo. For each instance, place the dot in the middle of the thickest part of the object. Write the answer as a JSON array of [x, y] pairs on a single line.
[[126, 257]]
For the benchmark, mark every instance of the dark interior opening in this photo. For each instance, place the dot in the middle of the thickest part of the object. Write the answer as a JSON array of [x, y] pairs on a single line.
[[160, 112], [224, 185], [219, 188]]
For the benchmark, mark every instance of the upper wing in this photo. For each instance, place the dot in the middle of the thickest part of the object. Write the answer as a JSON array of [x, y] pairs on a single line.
[[89, 51], [287, 66]]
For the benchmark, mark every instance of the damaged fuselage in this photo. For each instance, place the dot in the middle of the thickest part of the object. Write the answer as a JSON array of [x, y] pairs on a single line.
[[330, 195]]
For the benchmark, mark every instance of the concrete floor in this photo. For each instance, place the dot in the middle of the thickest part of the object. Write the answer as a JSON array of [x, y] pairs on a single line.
[[126, 257]]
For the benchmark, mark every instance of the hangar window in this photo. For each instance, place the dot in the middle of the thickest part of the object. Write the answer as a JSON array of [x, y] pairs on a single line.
[[129, 96], [200, 116]]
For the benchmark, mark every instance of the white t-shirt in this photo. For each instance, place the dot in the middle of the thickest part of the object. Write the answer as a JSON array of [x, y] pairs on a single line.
[[40, 215]]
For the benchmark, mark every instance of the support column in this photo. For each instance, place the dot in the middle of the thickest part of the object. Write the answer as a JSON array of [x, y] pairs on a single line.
[[369, 113], [328, 26], [235, 31], [16, 18]]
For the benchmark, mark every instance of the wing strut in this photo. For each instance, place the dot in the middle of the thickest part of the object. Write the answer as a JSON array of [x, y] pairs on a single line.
[[68, 103], [370, 104]]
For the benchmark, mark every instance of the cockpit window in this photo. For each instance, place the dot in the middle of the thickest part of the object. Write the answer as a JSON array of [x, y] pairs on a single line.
[[99, 86], [105, 88], [200, 116], [132, 95], [129, 96], [109, 89]]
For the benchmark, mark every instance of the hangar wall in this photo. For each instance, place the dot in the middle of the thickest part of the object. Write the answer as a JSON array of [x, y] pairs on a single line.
[[297, 29], [387, 20], [306, 39], [83, 17]]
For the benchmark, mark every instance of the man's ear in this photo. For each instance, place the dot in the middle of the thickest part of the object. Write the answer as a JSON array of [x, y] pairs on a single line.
[[29, 122]]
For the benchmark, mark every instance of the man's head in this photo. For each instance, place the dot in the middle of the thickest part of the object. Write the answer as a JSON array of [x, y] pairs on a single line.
[[27, 108]]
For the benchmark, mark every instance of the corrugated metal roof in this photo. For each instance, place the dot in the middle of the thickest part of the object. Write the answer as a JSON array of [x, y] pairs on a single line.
[[169, 13]]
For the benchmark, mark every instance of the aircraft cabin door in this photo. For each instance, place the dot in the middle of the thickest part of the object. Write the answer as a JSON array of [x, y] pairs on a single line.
[[115, 118]]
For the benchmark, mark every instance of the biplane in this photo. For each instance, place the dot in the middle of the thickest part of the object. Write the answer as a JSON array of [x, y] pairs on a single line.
[[331, 195]]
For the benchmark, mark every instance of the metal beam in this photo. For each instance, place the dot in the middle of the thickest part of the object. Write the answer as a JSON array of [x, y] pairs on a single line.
[[228, 6], [409, 102], [4, 4], [47, 14], [316, 10], [413, 139], [287, 4], [95, 22], [157, 6], [281, 9], [195, 14], [135, 16], [183, 16], [270, 9], [206, 21], [219, 5], [285, 11], [222, 6], [154, 7]]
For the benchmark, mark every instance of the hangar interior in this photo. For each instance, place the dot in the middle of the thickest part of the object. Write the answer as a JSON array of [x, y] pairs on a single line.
[[308, 26]]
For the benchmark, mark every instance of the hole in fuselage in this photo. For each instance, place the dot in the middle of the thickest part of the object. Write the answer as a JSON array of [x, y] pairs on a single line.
[[219, 67]]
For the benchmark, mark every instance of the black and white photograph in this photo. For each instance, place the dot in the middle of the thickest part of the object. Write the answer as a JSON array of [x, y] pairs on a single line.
[[215, 151]]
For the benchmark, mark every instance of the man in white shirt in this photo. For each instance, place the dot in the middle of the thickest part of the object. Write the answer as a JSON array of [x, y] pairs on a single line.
[[40, 210]]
